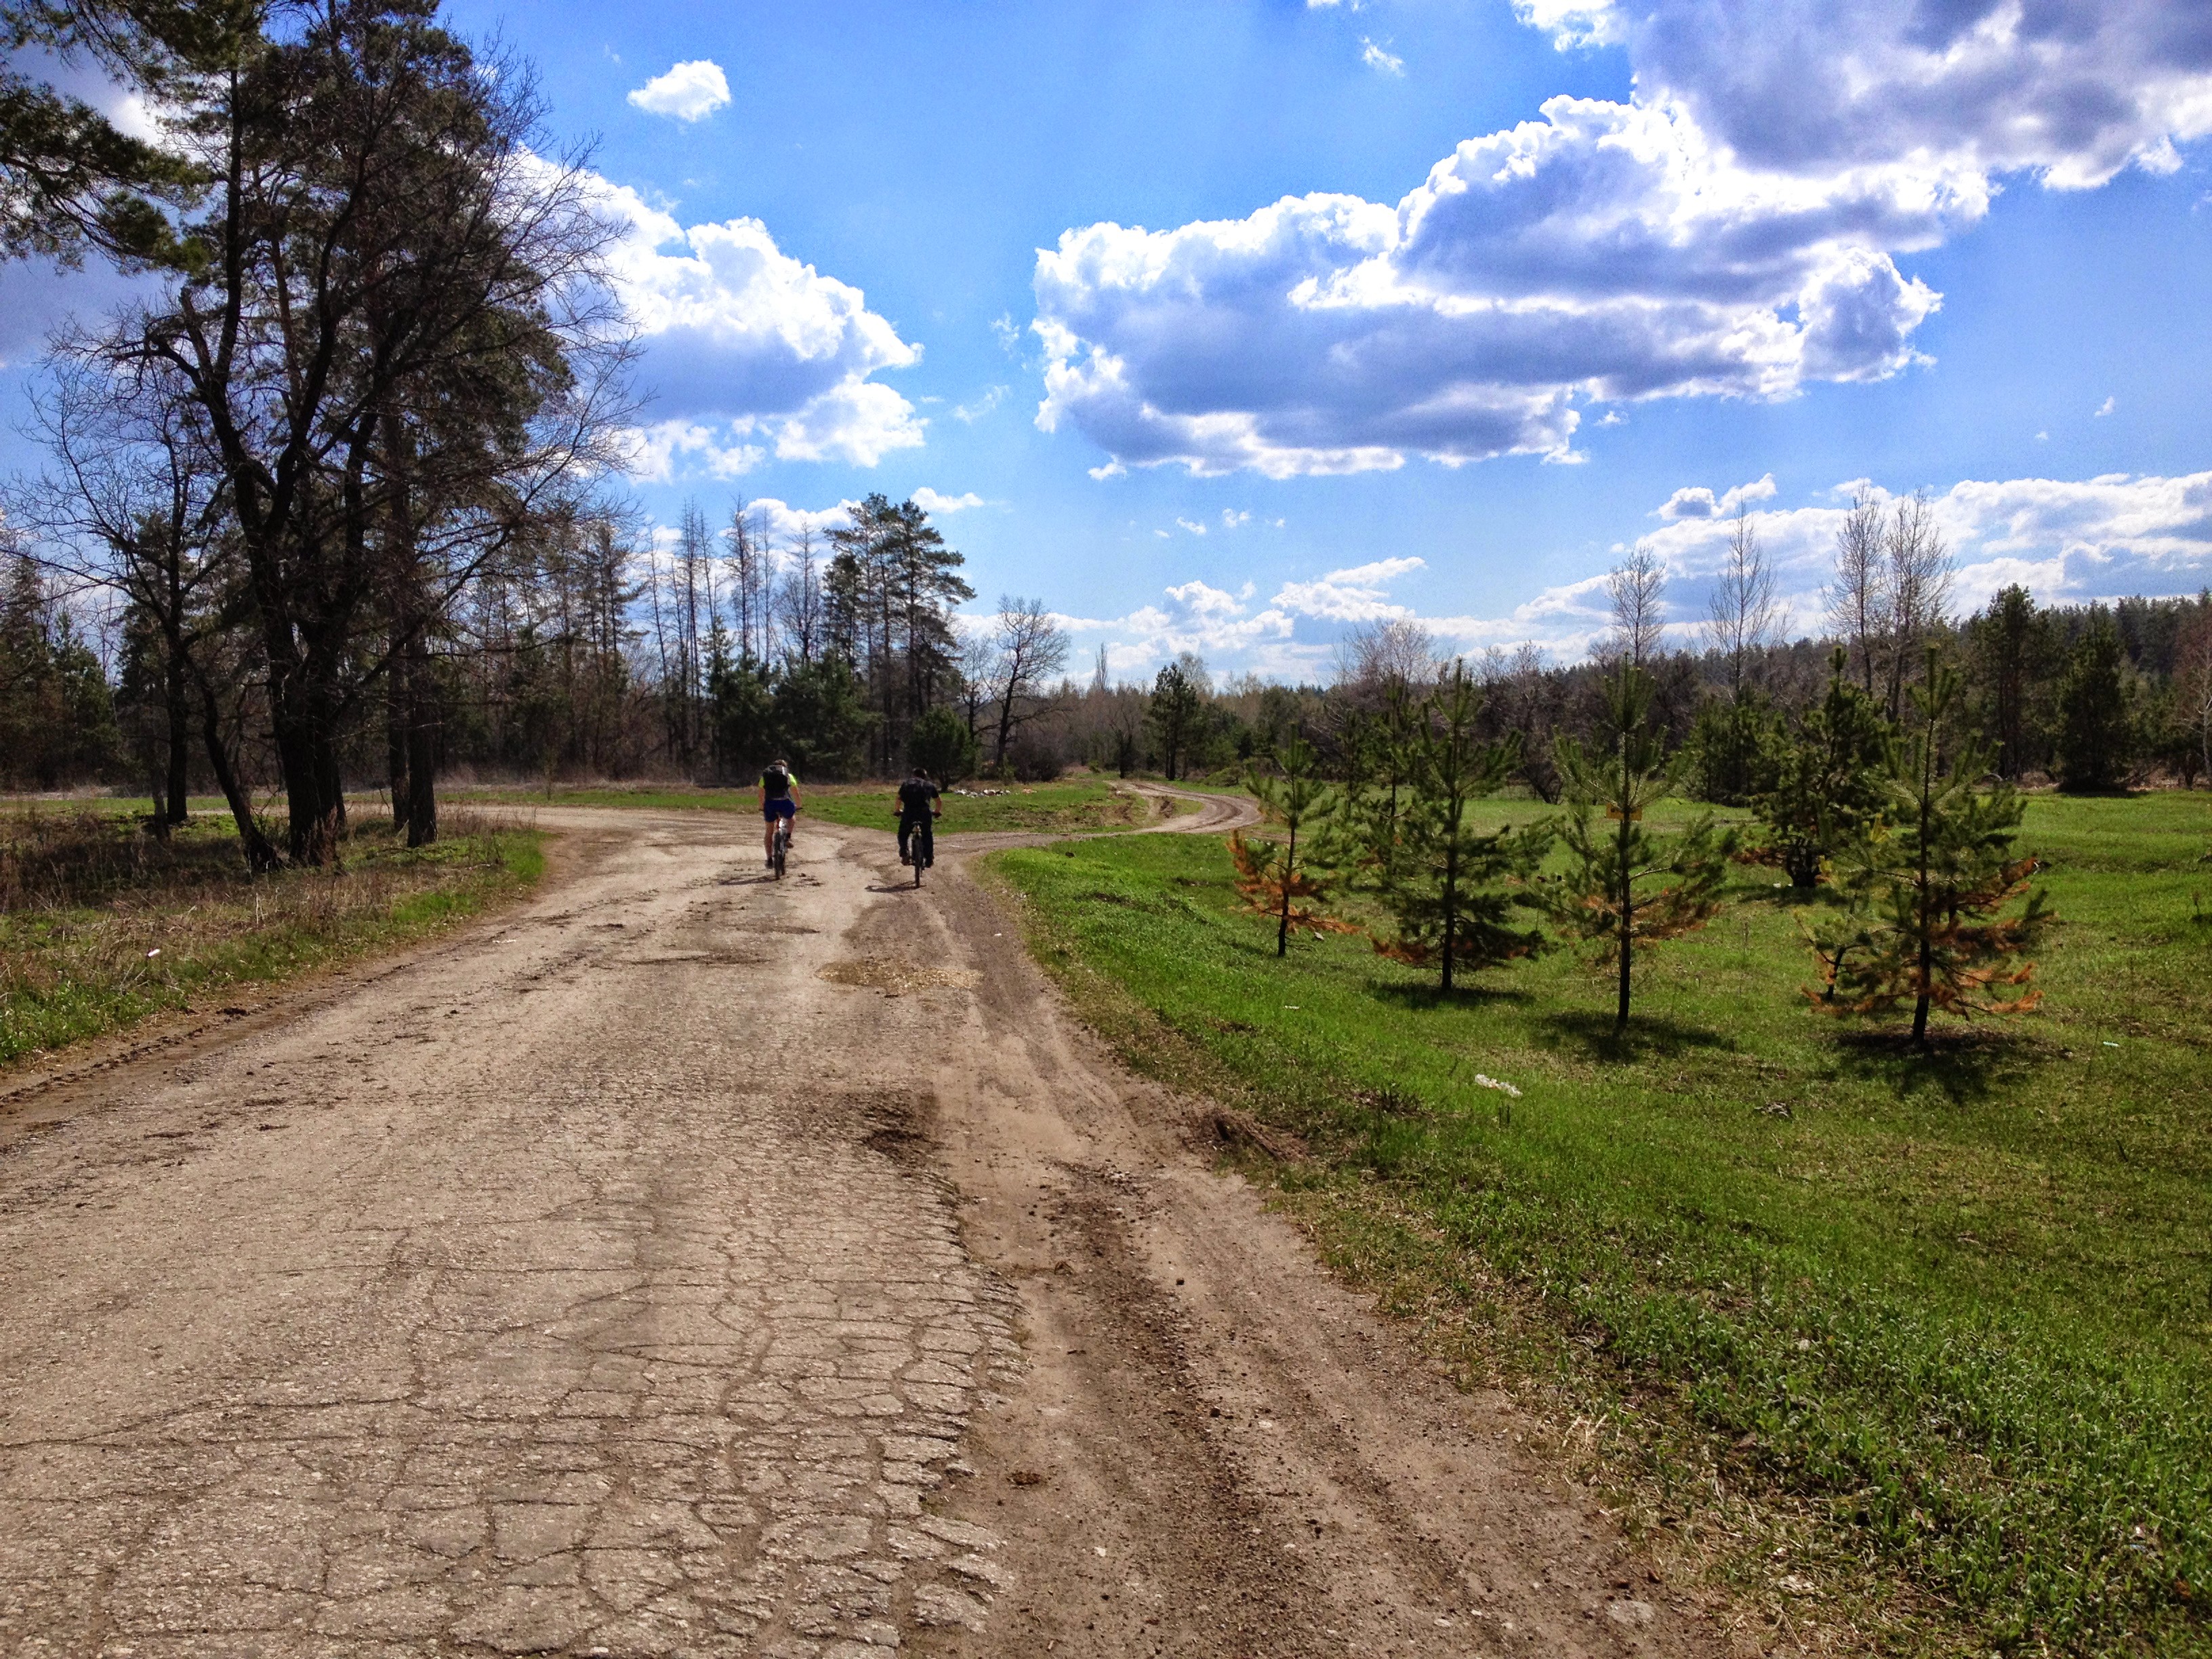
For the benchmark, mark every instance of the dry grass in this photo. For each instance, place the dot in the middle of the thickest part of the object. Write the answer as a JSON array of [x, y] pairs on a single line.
[[102, 924]]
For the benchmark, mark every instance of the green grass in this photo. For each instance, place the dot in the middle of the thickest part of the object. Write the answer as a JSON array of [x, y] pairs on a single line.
[[1936, 1327], [1071, 807], [101, 925]]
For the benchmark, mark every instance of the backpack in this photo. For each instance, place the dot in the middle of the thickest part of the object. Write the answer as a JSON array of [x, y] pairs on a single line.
[[776, 781]]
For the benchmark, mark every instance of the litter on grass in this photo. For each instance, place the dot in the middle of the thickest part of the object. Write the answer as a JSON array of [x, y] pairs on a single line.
[[1482, 1082]]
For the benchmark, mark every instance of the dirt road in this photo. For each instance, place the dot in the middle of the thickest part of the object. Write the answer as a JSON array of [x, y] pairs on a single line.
[[695, 1264]]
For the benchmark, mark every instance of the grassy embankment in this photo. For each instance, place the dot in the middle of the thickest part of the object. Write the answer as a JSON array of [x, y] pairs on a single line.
[[1906, 1347], [1071, 806], [101, 925]]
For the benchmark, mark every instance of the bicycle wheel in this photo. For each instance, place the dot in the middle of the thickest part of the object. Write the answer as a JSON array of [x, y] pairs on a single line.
[[783, 842]]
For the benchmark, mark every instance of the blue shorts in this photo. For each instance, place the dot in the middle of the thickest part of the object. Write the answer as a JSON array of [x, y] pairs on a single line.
[[786, 808]]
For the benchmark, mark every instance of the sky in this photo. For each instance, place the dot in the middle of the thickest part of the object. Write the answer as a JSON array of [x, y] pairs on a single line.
[[1227, 327]]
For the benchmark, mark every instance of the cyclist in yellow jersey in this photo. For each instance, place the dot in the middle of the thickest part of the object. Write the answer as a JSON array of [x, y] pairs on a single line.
[[779, 800]]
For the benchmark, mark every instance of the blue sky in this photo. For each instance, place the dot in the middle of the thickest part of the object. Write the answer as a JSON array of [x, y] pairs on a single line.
[[1031, 257]]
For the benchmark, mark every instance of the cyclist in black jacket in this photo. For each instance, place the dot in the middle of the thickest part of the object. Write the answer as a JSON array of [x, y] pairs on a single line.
[[918, 809]]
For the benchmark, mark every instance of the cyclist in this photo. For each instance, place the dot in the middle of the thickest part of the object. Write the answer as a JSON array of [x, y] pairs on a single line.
[[918, 808], [779, 800]]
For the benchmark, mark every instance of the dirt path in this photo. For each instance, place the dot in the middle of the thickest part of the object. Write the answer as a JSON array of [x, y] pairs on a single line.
[[693, 1264]]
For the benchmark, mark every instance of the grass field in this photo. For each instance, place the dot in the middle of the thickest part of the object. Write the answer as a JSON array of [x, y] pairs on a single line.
[[101, 925], [1913, 1345], [1071, 807]]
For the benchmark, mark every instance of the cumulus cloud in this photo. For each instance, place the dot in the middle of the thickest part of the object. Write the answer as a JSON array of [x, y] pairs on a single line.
[[2067, 541], [1709, 237], [2106, 408], [929, 500], [748, 352], [1699, 502], [689, 92]]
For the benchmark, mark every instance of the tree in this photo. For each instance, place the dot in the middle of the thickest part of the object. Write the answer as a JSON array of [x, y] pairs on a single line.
[[2012, 652], [1028, 646], [68, 177], [942, 744], [1637, 587], [2192, 680], [1606, 898], [1445, 886], [1928, 891], [1828, 789], [819, 713], [1859, 597], [1917, 589], [401, 343], [1742, 617], [1175, 714], [1272, 876], [1735, 744], [2096, 725]]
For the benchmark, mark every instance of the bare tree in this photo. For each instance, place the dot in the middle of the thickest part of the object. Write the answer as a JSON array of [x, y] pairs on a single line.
[[1918, 589], [1394, 651], [798, 598], [1858, 598], [1744, 617], [1637, 588], [979, 674], [1030, 647]]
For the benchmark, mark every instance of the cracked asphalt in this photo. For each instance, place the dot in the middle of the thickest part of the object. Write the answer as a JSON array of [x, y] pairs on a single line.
[[572, 1290], [687, 1263]]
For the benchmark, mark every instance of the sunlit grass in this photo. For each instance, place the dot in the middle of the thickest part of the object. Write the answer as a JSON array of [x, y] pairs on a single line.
[[1947, 1315]]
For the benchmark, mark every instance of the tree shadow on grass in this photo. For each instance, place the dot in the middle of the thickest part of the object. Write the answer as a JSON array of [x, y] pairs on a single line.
[[1964, 1062], [1647, 1037], [1427, 999]]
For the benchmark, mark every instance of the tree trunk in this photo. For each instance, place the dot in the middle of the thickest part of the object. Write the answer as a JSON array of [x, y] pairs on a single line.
[[395, 739], [260, 855], [1283, 923], [422, 745]]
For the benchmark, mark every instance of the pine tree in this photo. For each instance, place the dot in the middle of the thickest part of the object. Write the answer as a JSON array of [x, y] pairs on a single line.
[[1928, 888], [1446, 886], [1828, 785], [1627, 888], [1175, 715], [1274, 877], [1379, 750], [2096, 734]]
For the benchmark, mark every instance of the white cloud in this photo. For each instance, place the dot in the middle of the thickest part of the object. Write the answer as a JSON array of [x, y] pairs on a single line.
[[2106, 408], [1376, 59], [689, 92], [2067, 541], [930, 502], [1358, 594], [1195, 526], [1733, 230], [1572, 23], [1233, 520], [1699, 502], [753, 349]]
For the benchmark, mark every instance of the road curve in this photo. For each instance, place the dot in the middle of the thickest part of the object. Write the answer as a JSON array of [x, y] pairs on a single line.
[[692, 1263]]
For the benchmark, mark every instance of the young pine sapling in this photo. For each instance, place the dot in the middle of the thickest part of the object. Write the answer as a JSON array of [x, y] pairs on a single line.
[[1626, 888], [1929, 889], [1275, 878], [1446, 888]]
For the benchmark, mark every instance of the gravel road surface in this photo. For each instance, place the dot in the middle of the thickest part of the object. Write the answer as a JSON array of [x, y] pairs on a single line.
[[690, 1263]]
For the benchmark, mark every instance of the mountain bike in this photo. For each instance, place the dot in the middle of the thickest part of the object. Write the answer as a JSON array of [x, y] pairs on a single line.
[[920, 848], [782, 845]]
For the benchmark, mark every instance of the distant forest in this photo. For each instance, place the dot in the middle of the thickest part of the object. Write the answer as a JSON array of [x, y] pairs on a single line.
[[593, 653]]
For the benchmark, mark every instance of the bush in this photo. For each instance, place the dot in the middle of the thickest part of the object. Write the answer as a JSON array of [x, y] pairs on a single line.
[[1036, 755]]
